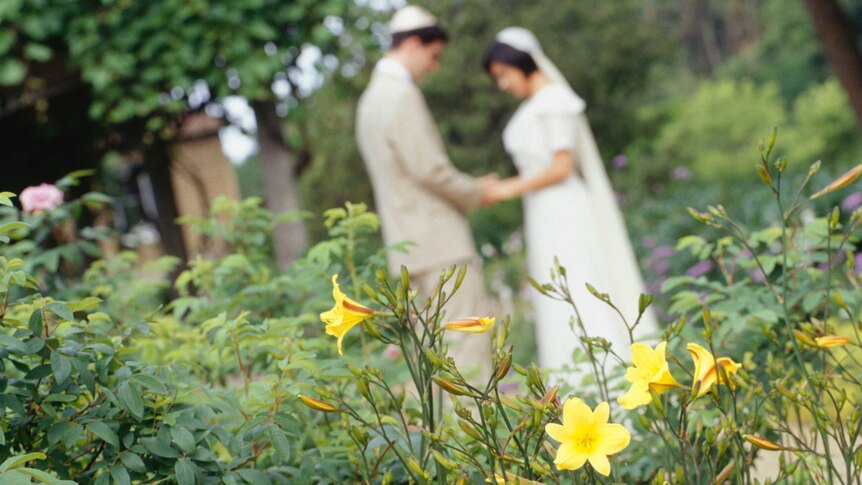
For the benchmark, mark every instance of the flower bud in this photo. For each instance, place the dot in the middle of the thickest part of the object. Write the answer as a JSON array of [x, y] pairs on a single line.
[[763, 173], [763, 443], [317, 404], [803, 338], [450, 386], [829, 341], [505, 364], [470, 430], [843, 181]]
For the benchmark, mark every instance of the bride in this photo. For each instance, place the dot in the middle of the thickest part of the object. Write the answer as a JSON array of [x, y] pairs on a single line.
[[569, 207]]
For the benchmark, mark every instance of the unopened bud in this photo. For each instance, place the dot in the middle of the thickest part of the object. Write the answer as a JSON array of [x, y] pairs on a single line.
[[317, 404], [763, 443]]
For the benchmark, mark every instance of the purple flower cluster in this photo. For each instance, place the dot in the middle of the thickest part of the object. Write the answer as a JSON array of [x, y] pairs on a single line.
[[659, 263], [620, 162], [852, 202], [700, 268]]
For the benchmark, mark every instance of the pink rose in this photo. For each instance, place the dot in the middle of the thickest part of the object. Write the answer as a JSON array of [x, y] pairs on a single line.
[[392, 352], [39, 198]]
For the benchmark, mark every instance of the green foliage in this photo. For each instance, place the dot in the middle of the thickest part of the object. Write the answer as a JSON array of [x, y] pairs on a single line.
[[74, 391], [824, 126], [788, 51], [712, 130], [13, 471], [113, 388], [141, 60]]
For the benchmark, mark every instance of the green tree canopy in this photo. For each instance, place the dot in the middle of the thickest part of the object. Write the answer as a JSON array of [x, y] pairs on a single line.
[[142, 59]]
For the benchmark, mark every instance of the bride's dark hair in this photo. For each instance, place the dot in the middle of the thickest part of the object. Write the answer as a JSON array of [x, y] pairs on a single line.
[[506, 54]]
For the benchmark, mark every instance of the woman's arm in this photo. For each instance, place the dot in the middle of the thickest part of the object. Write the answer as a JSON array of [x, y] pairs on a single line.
[[560, 168]]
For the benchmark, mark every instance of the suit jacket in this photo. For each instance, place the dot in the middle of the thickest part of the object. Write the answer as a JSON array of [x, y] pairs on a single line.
[[420, 196]]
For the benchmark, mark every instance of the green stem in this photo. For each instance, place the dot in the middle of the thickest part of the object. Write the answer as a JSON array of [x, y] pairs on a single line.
[[797, 354]]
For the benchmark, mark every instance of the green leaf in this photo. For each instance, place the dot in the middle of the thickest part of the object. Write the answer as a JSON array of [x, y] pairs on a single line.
[[185, 471], [12, 72], [133, 462], [39, 372], [120, 475], [280, 443], [85, 374], [183, 438], [151, 383], [103, 479], [105, 433], [14, 477], [11, 226], [7, 38], [88, 303], [160, 448], [61, 366], [38, 52], [131, 400], [14, 344], [45, 477], [17, 461], [35, 324], [254, 476], [62, 310], [72, 179]]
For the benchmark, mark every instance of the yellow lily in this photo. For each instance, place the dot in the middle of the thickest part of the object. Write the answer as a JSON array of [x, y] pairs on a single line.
[[650, 371], [345, 315], [705, 368], [585, 435]]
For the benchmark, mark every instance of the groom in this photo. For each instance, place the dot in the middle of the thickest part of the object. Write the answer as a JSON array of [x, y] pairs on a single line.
[[420, 196]]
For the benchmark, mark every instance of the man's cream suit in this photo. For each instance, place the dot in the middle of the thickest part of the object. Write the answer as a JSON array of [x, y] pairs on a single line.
[[422, 198]]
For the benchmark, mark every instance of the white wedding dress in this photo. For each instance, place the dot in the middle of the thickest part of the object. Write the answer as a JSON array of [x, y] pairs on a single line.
[[576, 221]]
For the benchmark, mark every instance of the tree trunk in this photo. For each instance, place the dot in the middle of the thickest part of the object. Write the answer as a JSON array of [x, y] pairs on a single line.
[[839, 44], [157, 162], [280, 187]]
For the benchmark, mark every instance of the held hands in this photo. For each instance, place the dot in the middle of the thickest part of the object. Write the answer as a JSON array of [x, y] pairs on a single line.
[[494, 190]]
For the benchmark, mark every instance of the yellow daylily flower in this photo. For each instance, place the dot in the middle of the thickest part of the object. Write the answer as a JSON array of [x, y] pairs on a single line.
[[828, 341], [650, 371], [345, 315], [705, 368], [585, 435], [471, 324]]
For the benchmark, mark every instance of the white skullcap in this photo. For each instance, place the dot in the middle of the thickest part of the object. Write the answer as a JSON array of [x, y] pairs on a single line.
[[411, 18]]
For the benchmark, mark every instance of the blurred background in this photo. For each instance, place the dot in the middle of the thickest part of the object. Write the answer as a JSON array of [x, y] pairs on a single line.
[[173, 103]]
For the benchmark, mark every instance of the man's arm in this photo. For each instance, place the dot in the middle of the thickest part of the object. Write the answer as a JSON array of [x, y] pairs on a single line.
[[417, 141]]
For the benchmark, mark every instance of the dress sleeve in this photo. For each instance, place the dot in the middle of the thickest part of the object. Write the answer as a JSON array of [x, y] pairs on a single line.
[[558, 110], [559, 131]]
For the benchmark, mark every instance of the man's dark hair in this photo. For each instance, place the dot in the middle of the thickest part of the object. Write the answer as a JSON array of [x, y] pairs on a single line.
[[426, 35], [506, 54]]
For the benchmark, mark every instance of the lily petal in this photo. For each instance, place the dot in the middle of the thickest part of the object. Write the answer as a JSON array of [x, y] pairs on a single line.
[[600, 463]]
